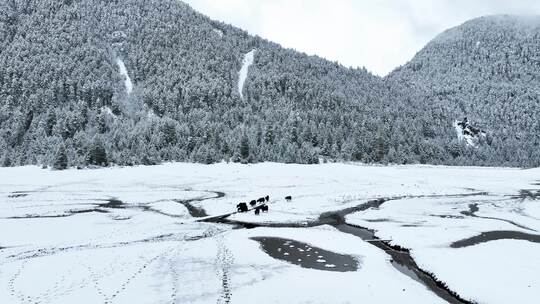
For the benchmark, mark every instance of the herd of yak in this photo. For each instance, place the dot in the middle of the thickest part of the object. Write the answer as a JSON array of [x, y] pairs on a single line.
[[262, 207]]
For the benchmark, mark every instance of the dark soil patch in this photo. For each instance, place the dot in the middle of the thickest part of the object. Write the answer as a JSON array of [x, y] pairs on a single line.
[[457, 217], [113, 204], [17, 195], [473, 208], [378, 220], [68, 213], [533, 194]]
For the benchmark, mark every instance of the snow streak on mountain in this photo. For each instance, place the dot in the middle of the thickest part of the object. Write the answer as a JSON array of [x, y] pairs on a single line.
[[123, 71], [243, 74]]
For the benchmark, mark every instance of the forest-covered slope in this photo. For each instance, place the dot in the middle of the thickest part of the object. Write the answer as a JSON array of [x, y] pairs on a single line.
[[131, 82], [488, 70]]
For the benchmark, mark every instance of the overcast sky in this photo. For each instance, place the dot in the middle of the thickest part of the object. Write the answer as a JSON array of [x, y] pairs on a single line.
[[377, 34]]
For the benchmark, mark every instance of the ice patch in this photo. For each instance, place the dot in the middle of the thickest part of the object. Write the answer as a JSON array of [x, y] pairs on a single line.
[[123, 71], [242, 75]]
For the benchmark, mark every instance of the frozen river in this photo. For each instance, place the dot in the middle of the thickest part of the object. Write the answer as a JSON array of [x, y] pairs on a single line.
[[407, 234]]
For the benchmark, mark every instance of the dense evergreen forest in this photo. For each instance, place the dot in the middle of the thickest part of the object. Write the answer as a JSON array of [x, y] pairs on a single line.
[[66, 100], [489, 70]]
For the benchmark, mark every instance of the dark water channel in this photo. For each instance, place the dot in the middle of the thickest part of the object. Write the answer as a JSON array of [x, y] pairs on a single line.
[[400, 257], [473, 208], [401, 260], [195, 211], [308, 256], [494, 236]]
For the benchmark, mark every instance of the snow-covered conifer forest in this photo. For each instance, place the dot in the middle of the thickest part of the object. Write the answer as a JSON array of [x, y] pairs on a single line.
[[151, 81]]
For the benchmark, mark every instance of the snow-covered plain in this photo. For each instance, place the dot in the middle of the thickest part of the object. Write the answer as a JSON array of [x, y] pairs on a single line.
[[497, 271], [124, 235]]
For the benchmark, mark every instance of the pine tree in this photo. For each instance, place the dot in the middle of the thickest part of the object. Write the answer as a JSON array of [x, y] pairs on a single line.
[[269, 135], [244, 147], [60, 160], [97, 155]]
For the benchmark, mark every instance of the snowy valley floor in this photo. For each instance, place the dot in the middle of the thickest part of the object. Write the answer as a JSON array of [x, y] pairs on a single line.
[[351, 234]]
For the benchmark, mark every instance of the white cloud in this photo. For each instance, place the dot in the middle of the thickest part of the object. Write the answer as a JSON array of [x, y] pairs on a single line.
[[377, 34]]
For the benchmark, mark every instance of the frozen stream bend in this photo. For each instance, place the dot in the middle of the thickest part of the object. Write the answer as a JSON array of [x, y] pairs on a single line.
[[400, 257]]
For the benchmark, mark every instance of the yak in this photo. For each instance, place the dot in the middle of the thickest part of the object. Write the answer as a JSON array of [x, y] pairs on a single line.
[[267, 198], [242, 207], [253, 203], [288, 198], [264, 208], [260, 200]]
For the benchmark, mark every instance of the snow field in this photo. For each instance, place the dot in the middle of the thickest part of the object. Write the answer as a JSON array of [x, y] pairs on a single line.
[[61, 243]]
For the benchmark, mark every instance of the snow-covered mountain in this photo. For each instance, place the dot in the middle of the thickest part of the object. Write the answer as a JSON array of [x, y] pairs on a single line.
[[488, 70], [181, 86]]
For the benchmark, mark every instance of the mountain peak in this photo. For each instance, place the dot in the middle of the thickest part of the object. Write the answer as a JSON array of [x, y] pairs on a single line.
[[491, 25]]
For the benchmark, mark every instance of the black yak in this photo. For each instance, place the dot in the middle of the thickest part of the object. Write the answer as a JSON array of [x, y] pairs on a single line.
[[267, 198], [242, 207], [264, 208], [257, 211], [260, 200], [253, 203], [288, 198]]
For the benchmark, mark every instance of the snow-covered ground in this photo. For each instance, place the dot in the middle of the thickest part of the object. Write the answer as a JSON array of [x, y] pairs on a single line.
[[126, 235], [243, 73], [495, 271]]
